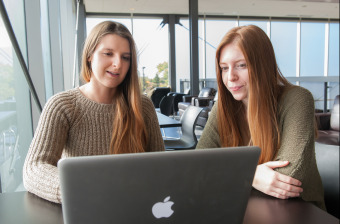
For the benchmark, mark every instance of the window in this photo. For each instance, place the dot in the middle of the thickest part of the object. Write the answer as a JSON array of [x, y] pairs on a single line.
[[153, 51], [15, 116], [215, 31], [312, 48], [260, 23], [283, 37], [92, 22], [333, 54], [182, 54]]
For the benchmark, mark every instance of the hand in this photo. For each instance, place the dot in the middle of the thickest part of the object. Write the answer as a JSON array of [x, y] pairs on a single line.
[[275, 184]]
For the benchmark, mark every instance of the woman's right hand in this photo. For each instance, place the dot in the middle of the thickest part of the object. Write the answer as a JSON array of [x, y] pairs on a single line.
[[274, 183]]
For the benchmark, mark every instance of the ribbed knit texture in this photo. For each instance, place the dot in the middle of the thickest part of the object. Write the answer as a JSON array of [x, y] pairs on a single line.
[[296, 123], [72, 125]]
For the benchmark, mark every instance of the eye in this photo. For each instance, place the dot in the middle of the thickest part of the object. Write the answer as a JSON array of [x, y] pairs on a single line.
[[242, 65], [126, 58], [108, 53], [224, 69]]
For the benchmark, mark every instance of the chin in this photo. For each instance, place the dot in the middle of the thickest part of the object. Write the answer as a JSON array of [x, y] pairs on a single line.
[[238, 97]]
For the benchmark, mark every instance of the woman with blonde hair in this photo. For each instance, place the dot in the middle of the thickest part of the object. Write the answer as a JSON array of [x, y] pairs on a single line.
[[258, 106], [107, 115]]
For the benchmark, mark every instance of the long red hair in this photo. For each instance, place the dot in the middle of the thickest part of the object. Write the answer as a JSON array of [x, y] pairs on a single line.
[[266, 85]]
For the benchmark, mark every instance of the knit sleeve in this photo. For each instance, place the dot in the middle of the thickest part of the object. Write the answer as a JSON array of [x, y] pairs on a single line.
[[155, 140], [296, 119], [297, 123], [210, 137], [40, 173]]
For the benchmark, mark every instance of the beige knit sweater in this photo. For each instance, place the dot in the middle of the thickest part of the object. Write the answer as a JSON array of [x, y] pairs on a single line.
[[72, 125], [296, 123]]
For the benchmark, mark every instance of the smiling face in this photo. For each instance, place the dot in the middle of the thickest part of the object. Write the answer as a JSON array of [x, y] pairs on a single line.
[[234, 72], [110, 62]]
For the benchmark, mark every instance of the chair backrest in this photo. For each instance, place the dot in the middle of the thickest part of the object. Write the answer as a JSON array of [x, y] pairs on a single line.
[[166, 105], [205, 92], [334, 124], [327, 159], [178, 97], [188, 121], [158, 94]]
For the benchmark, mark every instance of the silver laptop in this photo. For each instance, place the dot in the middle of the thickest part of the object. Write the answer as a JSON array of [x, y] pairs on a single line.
[[190, 186]]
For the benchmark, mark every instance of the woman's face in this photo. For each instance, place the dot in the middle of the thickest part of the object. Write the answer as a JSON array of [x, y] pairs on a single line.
[[110, 62], [234, 72]]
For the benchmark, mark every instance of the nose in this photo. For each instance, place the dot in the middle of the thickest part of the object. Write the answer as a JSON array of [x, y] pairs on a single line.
[[116, 61], [230, 76]]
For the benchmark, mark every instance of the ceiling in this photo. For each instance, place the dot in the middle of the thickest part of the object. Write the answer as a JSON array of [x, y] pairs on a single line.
[[328, 9]]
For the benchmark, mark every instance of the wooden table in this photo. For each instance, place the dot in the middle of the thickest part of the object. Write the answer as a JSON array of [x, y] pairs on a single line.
[[26, 208]]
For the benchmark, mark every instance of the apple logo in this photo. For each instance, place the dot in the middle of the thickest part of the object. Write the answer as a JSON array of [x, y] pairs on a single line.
[[163, 209]]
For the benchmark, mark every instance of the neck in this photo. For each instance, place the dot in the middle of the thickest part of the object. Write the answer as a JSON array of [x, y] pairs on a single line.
[[98, 94]]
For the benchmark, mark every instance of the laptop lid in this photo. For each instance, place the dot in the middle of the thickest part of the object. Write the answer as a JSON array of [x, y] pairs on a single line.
[[189, 186]]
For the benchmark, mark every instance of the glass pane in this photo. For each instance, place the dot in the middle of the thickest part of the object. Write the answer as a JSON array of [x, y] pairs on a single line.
[[91, 22], [201, 50], [15, 108], [153, 51], [283, 38], [260, 23], [182, 55], [46, 48], [216, 29], [333, 58], [316, 88], [312, 49]]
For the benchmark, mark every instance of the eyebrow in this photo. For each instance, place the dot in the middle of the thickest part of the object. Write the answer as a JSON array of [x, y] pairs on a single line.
[[110, 49], [236, 61]]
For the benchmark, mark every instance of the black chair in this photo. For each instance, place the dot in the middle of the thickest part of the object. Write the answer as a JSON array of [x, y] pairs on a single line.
[[157, 95], [207, 105], [188, 139], [166, 105], [207, 93], [178, 98], [327, 159]]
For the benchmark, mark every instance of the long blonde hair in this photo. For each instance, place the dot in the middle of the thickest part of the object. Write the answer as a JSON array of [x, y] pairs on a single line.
[[266, 85], [129, 133]]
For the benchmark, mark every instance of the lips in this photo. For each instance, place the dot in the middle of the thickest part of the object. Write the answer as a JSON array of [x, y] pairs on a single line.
[[235, 88], [113, 73]]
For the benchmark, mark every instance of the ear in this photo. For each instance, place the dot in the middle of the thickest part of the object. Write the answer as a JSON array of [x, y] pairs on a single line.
[[89, 60]]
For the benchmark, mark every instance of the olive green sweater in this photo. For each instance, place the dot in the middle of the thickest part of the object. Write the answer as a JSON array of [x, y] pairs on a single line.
[[72, 125], [296, 123]]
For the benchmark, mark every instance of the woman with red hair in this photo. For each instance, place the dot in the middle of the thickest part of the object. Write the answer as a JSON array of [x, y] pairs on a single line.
[[258, 106]]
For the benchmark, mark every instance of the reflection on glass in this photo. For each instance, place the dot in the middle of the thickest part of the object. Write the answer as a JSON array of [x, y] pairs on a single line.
[[15, 115], [283, 38], [333, 57], [312, 49]]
